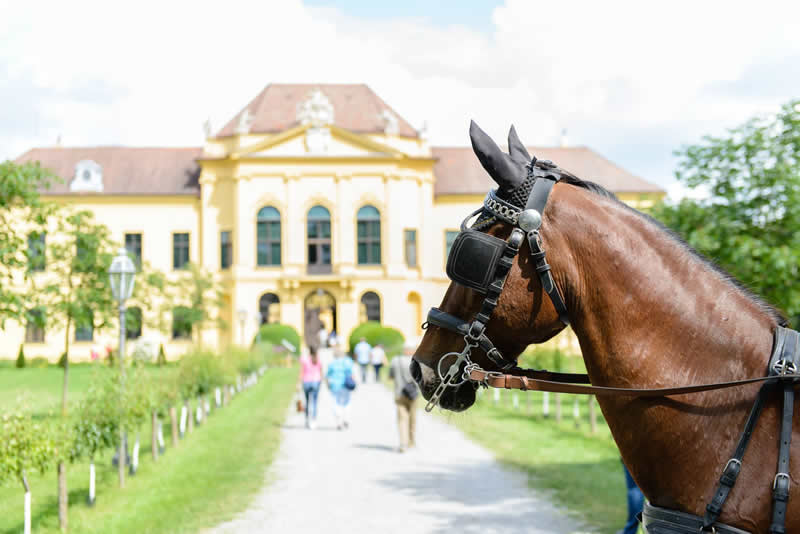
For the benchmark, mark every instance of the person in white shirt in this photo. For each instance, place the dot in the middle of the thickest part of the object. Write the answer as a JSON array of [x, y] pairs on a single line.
[[361, 352], [378, 357]]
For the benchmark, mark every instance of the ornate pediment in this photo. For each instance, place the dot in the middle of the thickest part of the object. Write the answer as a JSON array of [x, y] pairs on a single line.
[[316, 110]]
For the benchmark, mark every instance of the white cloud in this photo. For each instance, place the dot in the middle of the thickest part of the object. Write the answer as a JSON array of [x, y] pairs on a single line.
[[631, 79]]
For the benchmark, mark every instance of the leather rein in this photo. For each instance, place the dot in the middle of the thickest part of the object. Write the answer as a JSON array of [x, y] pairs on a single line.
[[526, 222]]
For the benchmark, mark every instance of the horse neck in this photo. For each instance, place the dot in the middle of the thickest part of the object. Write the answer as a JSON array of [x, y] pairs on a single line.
[[646, 310]]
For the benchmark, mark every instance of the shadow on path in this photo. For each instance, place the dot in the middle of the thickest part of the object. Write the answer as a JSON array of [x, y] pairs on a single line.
[[483, 489], [376, 447]]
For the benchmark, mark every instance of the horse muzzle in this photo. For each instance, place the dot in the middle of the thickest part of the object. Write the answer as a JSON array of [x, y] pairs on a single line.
[[455, 398]]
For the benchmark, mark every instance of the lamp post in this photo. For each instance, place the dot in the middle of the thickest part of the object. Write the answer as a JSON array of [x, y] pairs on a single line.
[[242, 318], [121, 275]]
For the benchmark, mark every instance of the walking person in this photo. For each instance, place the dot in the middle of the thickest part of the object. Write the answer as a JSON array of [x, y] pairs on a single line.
[[311, 376], [340, 381], [405, 396], [378, 358], [361, 352]]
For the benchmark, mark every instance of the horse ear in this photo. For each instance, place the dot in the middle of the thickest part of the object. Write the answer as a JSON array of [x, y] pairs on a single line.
[[505, 171], [516, 149]]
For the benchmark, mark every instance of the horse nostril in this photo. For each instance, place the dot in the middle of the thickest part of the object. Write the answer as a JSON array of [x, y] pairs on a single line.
[[416, 371]]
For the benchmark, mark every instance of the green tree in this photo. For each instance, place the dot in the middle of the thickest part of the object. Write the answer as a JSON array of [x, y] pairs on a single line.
[[197, 298], [75, 291], [21, 211], [25, 446], [750, 221]]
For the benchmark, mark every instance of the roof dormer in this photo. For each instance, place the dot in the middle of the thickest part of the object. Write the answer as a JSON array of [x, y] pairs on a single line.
[[88, 177]]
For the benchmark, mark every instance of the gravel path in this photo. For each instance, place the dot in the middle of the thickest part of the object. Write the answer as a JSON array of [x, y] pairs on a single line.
[[355, 482]]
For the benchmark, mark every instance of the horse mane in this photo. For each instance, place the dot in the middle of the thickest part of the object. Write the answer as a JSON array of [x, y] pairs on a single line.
[[598, 189]]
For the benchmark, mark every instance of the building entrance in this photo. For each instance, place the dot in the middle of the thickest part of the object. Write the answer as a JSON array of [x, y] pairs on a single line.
[[320, 315]]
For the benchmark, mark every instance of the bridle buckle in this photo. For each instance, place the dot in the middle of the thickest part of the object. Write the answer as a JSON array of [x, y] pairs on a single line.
[[782, 367]]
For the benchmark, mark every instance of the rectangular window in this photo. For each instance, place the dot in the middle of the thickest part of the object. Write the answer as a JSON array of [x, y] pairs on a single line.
[[369, 242], [225, 250], [411, 247], [84, 329], [34, 327], [449, 237], [180, 250], [268, 242], [133, 323], [36, 251], [133, 244], [181, 323]]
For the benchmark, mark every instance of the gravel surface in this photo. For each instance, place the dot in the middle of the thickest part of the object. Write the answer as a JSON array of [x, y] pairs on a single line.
[[354, 481]]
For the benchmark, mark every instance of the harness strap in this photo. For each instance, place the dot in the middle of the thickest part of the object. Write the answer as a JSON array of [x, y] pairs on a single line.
[[734, 465], [787, 353]]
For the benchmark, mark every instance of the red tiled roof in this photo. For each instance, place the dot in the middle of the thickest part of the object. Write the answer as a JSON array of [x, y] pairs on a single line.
[[458, 171], [126, 170], [356, 107]]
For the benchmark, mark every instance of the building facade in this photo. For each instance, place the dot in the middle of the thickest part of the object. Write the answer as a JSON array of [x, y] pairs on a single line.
[[315, 203]]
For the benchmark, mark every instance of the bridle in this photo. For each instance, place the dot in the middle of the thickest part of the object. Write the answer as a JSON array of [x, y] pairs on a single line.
[[482, 262]]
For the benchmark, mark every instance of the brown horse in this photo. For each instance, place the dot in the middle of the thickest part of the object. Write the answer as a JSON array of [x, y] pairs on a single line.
[[649, 312]]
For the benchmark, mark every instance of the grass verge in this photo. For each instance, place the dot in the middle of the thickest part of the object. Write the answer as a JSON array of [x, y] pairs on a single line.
[[581, 471], [210, 477]]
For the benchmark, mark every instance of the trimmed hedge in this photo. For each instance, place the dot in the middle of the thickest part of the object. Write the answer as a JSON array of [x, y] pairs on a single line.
[[375, 333], [274, 333], [20, 358]]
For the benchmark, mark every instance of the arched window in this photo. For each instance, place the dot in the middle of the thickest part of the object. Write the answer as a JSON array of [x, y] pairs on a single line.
[[371, 306], [319, 240], [84, 326], [268, 236], [133, 323], [369, 235], [269, 308]]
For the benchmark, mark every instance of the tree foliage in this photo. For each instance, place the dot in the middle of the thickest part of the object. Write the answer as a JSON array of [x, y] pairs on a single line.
[[750, 221], [25, 446], [19, 201], [197, 297]]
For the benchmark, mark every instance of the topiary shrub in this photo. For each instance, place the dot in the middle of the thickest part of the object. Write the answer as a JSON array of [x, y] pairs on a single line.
[[375, 334], [274, 333], [162, 356], [20, 358], [62, 361]]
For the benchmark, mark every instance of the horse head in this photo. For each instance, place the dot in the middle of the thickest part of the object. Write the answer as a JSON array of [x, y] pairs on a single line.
[[523, 314]]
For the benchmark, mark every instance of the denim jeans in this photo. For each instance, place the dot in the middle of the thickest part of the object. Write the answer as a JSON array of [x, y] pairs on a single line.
[[311, 389], [635, 503], [342, 397]]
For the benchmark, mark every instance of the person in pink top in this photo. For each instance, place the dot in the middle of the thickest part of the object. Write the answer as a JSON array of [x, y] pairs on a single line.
[[311, 376]]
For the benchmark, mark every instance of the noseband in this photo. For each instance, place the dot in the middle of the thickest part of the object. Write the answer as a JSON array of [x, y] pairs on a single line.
[[482, 262]]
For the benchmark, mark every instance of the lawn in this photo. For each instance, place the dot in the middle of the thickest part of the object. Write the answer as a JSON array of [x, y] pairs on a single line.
[[581, 471], [39, 388], [210, 477]]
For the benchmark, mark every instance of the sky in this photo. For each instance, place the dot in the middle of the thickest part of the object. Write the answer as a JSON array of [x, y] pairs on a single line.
[[632, 80]]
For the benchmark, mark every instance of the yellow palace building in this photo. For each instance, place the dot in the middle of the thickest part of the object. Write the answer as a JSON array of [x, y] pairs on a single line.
[[315, 202]]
